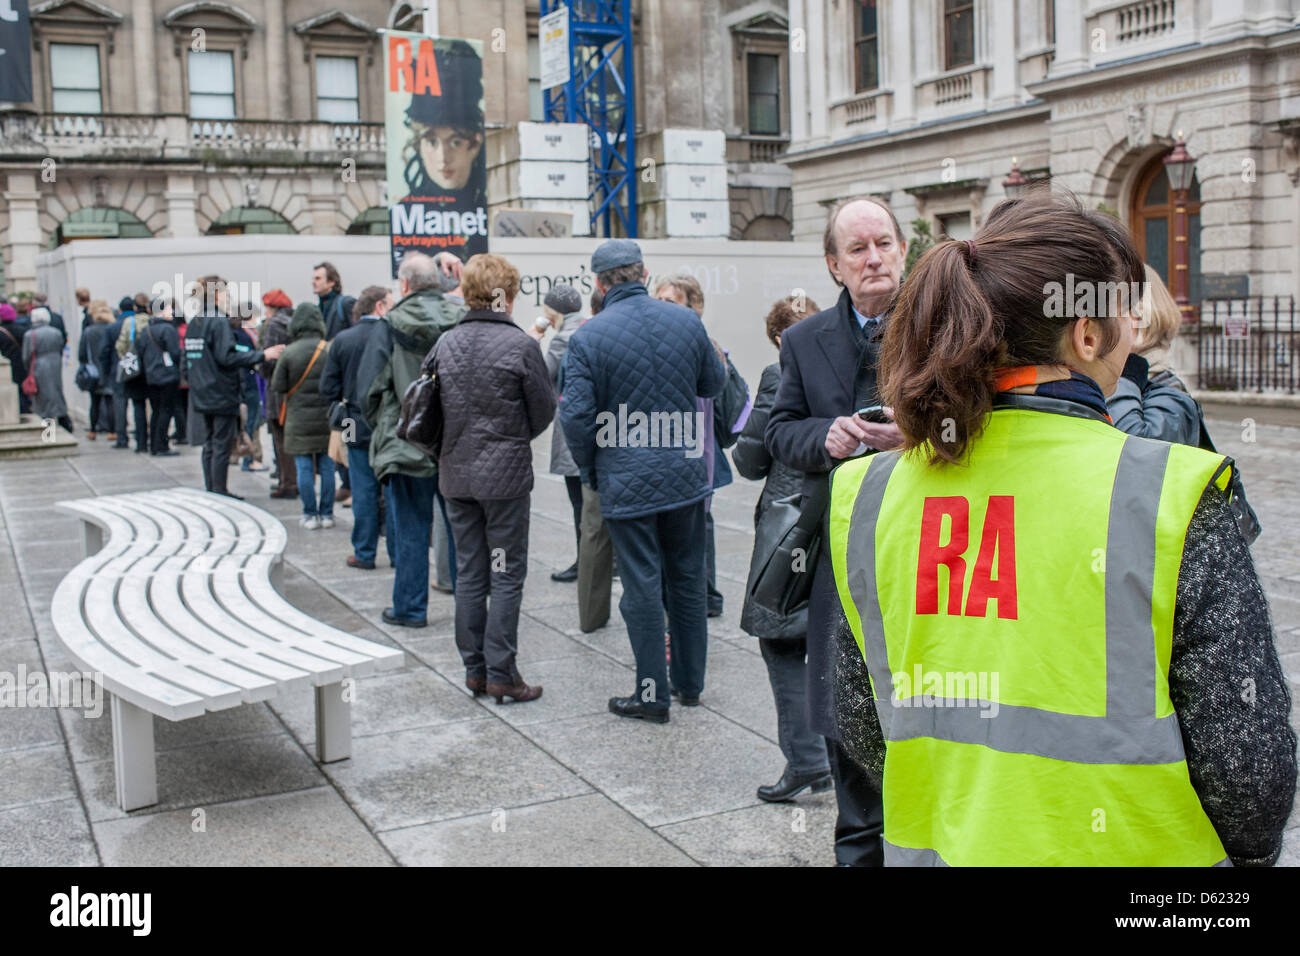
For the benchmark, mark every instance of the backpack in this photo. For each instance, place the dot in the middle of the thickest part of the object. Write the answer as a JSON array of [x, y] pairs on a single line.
[[731, 408]]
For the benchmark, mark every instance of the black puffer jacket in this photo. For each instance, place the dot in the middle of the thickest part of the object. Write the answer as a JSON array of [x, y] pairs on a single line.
[[215, 362], [496, 398], [755, 462]]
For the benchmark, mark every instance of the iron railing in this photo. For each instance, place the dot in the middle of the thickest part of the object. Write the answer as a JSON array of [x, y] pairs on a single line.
[[1248, 344]]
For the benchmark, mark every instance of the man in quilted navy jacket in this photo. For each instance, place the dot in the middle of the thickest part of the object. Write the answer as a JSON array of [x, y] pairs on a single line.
[[628, 411]]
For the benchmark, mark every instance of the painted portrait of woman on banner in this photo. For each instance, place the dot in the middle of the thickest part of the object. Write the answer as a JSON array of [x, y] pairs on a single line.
[[437, 170]]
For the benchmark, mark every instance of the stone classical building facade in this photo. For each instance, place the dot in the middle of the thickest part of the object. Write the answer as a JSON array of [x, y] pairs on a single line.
[[926, 103], [153, 118]]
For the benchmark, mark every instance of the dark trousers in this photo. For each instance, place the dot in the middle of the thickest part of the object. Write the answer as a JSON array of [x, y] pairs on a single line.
[[595, 565], [573, 485], [365, 508], [286, 469], [220, 432], [804, 751], [181, 414], [658, 554], [711, 566], [101, 411], [861, 820], [491, 538], [139, 410], [162, 399], [410, 501], [119, 414]]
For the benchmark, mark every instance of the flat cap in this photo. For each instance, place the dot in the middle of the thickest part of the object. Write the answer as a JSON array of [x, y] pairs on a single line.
[[613, 253], [563, 298]]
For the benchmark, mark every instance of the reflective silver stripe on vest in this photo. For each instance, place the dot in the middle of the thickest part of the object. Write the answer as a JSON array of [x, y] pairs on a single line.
[[860, 565], [1130, 733], [910, 856], [1130, 578]]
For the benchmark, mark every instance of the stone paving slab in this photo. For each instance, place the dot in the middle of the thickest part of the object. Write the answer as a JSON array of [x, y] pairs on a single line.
[[589, 830], [790, 834], [308, 828], [51, 833], [209, 773], [410, 777], [432, 769]]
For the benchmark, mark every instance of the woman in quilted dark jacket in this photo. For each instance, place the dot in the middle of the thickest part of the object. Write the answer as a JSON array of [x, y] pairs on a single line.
[[782, 640], [306, 414], [496, 398]]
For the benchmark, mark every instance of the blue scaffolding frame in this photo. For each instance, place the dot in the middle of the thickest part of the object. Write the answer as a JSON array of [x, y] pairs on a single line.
[[601, 93]]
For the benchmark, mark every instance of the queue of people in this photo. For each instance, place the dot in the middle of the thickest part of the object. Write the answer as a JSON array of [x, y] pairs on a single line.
[[883, 435]]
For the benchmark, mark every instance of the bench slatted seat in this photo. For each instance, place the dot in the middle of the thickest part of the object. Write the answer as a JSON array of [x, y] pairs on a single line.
[[176, 609]]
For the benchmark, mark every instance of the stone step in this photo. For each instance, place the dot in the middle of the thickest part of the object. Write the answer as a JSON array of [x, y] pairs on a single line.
[[33, 437]]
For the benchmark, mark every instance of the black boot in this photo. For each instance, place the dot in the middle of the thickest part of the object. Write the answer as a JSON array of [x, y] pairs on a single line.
[[568, 574], [631, 707], [792, 784]]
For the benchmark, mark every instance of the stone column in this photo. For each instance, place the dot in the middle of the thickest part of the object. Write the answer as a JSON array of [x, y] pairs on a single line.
[[899, 70], [277, 76], [181, 198], [798, 60], [23, 199], [1006, 79], [1071, 38], [145, 57], [815, 17], [322, 202]]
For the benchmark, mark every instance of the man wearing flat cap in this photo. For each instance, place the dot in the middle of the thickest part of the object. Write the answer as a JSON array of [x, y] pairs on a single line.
[[631, 378]]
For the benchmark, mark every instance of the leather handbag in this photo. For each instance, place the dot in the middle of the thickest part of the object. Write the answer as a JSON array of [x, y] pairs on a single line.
[[420, 422], [87, 377], [29, 383], [787, 545]]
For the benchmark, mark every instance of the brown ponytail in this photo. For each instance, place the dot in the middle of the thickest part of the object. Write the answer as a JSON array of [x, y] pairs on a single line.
[[970, 308]]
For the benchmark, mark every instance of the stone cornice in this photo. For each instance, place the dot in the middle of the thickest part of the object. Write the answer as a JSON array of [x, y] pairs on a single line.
[[940, 127], [1198, 55]]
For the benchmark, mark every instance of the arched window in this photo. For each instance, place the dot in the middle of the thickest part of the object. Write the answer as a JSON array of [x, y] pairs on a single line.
[[1151, 221], [407, 16], [248, 220], [371, 222], [99, 222]]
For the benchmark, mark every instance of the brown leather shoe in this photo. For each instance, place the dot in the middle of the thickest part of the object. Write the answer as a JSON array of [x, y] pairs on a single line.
[[519, 693], [476, 685], [279, 493]]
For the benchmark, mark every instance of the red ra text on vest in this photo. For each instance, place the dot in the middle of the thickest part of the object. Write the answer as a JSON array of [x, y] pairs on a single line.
[[997, 544]]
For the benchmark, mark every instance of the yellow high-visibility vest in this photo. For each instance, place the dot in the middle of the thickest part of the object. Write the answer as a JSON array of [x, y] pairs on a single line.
[[1016, 616]]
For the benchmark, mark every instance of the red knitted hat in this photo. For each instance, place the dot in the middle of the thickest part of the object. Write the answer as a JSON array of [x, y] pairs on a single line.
[[276, 299]]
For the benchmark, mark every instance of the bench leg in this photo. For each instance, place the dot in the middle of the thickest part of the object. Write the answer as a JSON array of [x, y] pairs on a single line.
[[133, 755], [92, 538], [333, 724]]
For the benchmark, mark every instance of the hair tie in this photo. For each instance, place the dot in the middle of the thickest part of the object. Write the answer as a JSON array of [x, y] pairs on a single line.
[[970, 253]]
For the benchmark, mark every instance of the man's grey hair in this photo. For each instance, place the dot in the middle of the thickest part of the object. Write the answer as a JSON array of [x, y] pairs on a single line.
[[632, 272], [419, 272]]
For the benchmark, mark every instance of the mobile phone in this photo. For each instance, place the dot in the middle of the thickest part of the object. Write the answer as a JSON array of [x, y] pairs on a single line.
[[874, 413]]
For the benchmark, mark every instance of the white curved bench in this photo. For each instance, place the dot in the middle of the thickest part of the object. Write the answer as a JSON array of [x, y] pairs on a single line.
[[176, 611]]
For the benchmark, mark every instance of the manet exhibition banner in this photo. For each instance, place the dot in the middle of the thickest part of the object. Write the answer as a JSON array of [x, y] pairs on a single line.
[[433, 118], [15, 52]]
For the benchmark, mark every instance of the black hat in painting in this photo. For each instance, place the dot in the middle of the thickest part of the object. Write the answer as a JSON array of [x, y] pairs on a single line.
[[460, 79]]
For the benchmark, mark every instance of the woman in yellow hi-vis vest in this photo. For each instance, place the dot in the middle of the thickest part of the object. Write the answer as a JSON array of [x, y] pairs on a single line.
[[1060, 652]]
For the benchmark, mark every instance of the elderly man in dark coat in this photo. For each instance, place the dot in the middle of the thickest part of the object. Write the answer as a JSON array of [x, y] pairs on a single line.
[[628, 410]]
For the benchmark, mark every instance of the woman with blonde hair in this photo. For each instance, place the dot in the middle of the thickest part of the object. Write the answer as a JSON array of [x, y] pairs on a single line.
[[95, 348], [1149, 399]]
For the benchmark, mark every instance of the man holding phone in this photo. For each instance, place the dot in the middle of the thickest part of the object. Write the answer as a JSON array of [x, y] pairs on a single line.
[[828, 409]]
